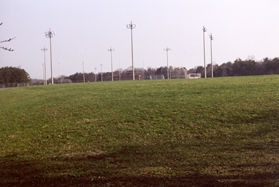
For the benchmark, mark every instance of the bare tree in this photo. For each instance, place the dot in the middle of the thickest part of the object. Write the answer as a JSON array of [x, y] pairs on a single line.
[[5, 41]]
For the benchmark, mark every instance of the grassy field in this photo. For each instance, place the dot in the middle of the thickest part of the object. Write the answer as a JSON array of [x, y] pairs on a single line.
[[222, 131]]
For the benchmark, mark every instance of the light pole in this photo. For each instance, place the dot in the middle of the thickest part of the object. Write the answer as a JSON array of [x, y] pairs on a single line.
[[101, 72], [204, 58], [50, 34], [44, 51], [119, 72], [132, 26], [167, 52], [111, 50], [211, 39], [83, 71], [95, 74]]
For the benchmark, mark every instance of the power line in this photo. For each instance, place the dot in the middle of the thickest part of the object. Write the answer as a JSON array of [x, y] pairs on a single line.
[[132, 26]]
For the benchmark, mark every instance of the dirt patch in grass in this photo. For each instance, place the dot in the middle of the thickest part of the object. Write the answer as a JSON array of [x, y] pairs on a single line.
[[91, 154]]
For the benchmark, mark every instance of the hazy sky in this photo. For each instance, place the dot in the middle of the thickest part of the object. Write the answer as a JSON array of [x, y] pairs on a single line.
[[85, 29]]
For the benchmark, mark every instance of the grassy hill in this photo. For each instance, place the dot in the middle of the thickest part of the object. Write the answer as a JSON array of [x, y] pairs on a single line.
[[216, 131]]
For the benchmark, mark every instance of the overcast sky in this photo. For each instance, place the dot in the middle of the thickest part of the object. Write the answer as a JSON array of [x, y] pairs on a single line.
[[85, 29]]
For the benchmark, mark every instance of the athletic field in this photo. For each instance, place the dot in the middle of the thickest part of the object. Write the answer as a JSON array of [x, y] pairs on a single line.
[[221, 131]]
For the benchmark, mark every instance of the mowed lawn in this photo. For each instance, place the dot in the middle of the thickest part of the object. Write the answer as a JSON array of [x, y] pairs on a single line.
[[221, 131]]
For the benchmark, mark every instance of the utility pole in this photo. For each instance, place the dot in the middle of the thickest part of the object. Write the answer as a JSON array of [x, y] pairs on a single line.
[[101, 72], [167, 52], [132, 26], [95, 74], [111, 50], [50, 34], [119, 75], [44, 65], [211, 39], [83, 71], [119, 72], [204, 58]]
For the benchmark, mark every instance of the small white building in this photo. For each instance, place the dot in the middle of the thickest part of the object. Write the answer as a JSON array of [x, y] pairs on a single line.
[[194, 76]]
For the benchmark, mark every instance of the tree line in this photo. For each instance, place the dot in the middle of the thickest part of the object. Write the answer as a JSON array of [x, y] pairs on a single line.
[[12, 76], [237, 68], [241, 68], [127, 74]]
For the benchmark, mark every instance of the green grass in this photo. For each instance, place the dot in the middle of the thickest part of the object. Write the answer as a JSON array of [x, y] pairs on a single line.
[[222, 131]]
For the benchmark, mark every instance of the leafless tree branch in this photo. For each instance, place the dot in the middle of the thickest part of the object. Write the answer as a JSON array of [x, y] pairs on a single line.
[[8, 40]]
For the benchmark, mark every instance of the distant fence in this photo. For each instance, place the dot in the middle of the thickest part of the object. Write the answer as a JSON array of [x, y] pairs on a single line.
[[138, 77], [9, 85]]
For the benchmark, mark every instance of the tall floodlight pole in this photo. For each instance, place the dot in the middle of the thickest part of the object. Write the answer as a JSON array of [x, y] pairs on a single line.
[[101, 72], [167, 52], [95, 74], [44, 65], [211, 39], [111, 50], [132, 26], [204, 58], [119, 72], [50, 34], [83, 71]]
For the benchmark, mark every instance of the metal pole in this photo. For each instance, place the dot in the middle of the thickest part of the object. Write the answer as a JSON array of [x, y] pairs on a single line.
[[119, 73], [132, 52], [95, 74], [51, 68], [45, 68], [211, 38], [168, 70], [50, 34], [101, 72], [111, 66], [110, 50], [44, 65], [132, 26], [83, 72], [43, 73], [204, 58]]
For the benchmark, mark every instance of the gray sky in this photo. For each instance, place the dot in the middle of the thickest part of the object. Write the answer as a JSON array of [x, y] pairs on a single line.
[[85, 29]]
